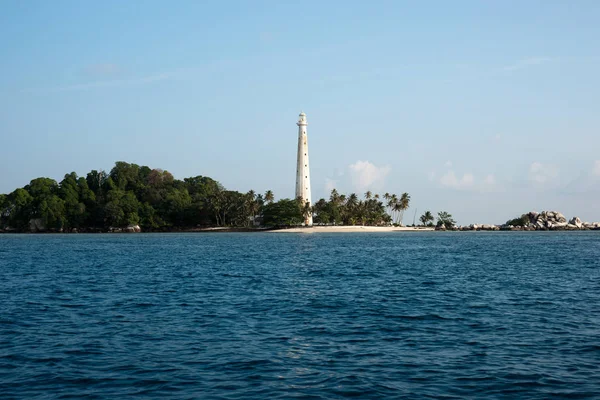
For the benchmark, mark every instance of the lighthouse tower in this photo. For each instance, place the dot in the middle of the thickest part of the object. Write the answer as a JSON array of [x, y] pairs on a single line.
[[302, 168]]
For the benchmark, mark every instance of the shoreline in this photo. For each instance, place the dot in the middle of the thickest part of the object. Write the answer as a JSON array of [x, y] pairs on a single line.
[[300, 229], [352, 228], [314, 229]]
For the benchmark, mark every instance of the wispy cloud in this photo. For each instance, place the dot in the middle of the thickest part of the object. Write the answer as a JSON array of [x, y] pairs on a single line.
[[365, 175], [489, 180], [596, 168], [449, 179], [526, 63], [467, 181], [542, 174]]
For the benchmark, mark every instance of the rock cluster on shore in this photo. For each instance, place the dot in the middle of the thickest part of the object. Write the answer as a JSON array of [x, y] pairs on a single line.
[[472, 227], [534, 221], [128, 229], [554, 220]]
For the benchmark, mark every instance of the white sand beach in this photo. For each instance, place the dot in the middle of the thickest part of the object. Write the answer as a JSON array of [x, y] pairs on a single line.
[[330, 229]]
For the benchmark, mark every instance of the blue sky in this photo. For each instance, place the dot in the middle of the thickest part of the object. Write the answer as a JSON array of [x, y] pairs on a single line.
[[486, 109]]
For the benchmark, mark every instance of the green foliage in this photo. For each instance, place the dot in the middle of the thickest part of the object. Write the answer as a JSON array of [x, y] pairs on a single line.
[[52, 211], [154, 199], [445, 219], [129, 194], [4, 210], [397, 206], [427, 218], [350, 210], [18, 211], [269, 196], [523, 220], [284, 212]]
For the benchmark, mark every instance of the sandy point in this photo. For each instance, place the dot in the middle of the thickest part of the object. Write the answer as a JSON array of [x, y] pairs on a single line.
[[331, 229]]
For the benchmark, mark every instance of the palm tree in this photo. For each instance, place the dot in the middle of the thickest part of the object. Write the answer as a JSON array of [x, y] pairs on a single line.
[[404, 204], [391, 205], [426, 218], [251, 206], [397, 208], [306, 211], [269, 197], [352, 201], [368, 195], [334, 197], [445, 218]]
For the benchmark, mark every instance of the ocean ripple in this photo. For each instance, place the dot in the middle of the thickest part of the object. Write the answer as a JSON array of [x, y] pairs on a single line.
[[324, 316]]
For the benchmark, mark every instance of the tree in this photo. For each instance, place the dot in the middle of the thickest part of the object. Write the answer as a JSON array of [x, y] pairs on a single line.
[[132, 194], [523, 220], [321, 212], [19, 209], [121, 208], [306, 210], [74, 209], [4, 210], [52, 212], [426, 218], [46, 204], [392, 205], [126, 176], [445, 219], [404, 203], [334, 197], [284, 212], [251, 206], [269, 197], [352, 201], [174, 206], [3, 203]]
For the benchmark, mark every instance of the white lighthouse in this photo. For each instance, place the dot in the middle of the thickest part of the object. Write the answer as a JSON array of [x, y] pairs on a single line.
[[302, 168]]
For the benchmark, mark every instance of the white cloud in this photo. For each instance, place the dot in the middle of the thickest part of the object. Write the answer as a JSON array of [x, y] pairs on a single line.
[[448, 164], [489, 180], [450, 180], [366, 175], [527, 62], [596, 170], [542, 173]]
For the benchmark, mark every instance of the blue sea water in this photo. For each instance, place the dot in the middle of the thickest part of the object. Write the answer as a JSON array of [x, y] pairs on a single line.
[[318, 316]]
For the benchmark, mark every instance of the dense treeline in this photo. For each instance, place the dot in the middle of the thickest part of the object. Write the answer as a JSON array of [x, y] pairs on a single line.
[[128, 195], [350, 210], [153, 199]]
